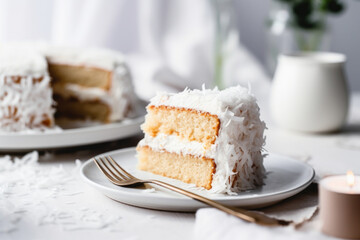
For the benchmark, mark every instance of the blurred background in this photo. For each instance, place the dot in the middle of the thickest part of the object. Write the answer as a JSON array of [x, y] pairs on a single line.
[[171, 44], [344, 33]]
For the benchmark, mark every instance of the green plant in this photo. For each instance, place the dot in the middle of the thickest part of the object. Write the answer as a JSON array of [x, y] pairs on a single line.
[[310, 14]]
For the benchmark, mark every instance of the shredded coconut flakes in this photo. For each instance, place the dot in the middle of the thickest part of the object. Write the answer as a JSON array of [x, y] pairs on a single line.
[[28, 190]]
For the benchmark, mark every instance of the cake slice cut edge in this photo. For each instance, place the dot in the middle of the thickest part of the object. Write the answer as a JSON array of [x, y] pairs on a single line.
[[188, 124], [223, 126]]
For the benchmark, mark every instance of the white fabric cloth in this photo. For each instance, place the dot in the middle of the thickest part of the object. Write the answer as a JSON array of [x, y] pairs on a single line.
[[300, 209], [169, 44], [212, 224]]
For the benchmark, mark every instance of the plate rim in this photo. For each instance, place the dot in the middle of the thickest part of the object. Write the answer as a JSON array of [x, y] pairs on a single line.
[[81, 131], [296, 190], [125, 121]]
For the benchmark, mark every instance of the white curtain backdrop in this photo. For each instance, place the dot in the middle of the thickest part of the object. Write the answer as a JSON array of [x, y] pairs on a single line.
[[169, 44]]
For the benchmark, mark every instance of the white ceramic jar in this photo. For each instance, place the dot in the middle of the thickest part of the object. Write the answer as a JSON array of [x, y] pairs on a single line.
[[309, 92]]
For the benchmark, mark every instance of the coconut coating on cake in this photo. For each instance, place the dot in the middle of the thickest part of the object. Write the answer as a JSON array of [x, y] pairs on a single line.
[[25, 92], [238, 140]]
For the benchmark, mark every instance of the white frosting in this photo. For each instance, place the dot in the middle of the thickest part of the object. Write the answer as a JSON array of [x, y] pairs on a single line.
[[174, 144], [206, 100], [240, 139], [25, 104], [21, 62], [122, 95], [91, 57], [82, 93]]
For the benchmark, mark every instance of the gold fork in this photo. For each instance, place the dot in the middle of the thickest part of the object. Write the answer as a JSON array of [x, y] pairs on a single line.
[[118, 176]]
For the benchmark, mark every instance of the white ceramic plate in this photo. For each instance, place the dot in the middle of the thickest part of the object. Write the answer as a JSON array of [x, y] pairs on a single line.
[[70, 137], [286, 177]]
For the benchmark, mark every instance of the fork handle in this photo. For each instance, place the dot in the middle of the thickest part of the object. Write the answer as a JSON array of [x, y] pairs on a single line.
[[248, 216], [240, 213]]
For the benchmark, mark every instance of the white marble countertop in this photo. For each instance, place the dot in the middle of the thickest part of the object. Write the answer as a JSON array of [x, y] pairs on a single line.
[[74, 210]]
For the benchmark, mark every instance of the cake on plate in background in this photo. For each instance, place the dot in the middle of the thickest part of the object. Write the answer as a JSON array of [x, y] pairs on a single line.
[[77, 84], [210, 138]]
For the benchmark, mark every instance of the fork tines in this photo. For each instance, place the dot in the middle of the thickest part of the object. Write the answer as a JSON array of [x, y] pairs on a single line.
[[113, 171]]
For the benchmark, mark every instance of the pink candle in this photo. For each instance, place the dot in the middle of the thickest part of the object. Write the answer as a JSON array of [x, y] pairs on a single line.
[[340, 206]]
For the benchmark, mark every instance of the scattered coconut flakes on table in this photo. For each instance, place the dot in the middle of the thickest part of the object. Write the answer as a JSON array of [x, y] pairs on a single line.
[[30, 190]]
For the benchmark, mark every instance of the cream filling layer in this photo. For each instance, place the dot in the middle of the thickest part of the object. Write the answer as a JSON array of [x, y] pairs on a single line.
[[174, 144], [82, 93]]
